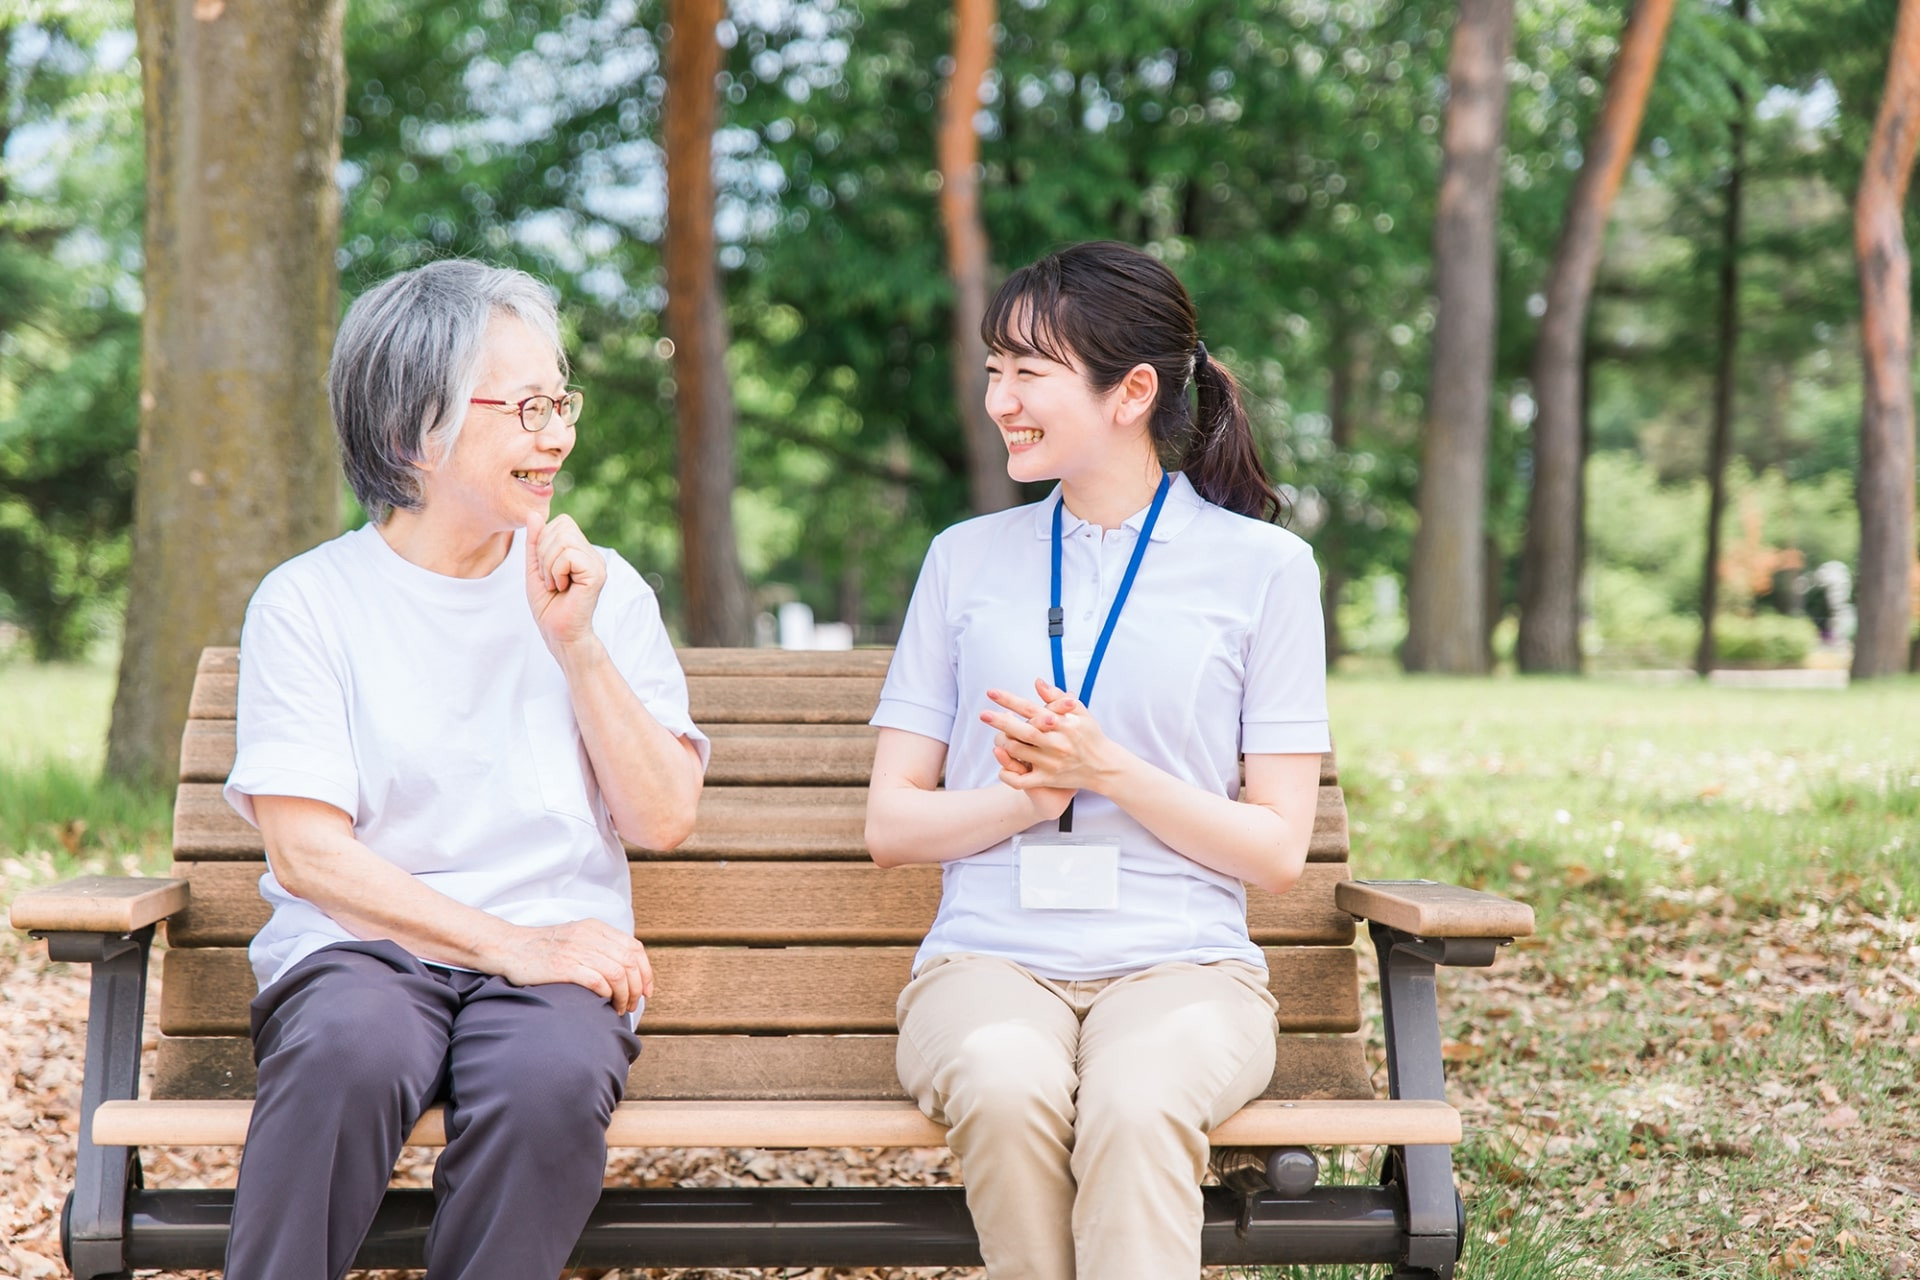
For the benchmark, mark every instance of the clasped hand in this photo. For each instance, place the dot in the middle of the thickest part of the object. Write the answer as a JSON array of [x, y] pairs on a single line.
[[1049, 748]]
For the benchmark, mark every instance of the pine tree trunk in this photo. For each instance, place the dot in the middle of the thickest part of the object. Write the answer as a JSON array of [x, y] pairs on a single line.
[[1886, 485], [1723, 376], [1446, 582], [237, 467], [719, 611], [1550, 565], [967, 256]]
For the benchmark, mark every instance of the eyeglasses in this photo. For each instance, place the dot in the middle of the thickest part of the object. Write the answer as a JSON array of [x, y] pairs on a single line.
[[537, 411]]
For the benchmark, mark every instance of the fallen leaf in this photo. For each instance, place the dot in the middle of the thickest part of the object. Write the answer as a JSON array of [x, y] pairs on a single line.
[[1794, 1257], [1839, 1118]]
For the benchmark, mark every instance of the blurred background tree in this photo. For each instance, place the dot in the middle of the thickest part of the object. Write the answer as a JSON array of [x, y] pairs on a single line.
[[1284, 156]]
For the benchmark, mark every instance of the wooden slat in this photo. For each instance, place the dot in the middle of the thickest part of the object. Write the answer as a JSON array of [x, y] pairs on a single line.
[[713, 700], [761, 823], [716, 699], [770, 1067], [1433, 910], [743, 755], [815, 663], [778, 990], [765, 904], [98, 904], [854, 663], [795, 1125], [776, 822]]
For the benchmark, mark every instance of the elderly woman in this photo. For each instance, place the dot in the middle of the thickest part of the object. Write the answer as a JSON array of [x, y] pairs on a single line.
[[445, 718]]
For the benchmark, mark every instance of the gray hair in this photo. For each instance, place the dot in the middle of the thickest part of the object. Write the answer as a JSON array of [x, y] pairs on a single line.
[[405, 362]]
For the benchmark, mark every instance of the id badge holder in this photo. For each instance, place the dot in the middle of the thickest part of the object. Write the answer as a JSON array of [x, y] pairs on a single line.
[[1064, 872]]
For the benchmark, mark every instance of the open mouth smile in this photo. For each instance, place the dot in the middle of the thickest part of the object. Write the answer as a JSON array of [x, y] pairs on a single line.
[[537, 480]]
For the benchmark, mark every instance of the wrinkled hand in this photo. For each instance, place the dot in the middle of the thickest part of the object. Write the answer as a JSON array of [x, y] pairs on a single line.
[[1051, 748], [564, 577], [587, 953]]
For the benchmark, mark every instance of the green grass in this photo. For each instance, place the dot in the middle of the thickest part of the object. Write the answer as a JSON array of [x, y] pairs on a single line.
[[1546, 787], [57, 816]]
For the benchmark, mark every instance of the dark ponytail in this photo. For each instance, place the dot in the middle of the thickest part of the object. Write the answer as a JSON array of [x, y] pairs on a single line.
[[1106, 307]]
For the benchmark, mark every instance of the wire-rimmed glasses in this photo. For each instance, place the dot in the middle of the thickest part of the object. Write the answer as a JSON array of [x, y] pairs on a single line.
[[535, 412]]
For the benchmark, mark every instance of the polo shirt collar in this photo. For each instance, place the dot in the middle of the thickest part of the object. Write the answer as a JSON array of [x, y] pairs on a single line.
[[1182, 505]]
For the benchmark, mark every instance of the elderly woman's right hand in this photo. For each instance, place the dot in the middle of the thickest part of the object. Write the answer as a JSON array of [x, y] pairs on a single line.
[[588, 953]]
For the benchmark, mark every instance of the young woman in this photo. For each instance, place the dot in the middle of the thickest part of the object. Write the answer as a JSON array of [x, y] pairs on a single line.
[[1088, 672]]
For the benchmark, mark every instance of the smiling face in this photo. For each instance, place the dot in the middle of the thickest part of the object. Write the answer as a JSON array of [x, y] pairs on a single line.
[[498, 473], [1056, 426]]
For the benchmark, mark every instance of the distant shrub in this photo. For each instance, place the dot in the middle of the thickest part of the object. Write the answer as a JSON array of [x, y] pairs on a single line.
[[1764, 640]]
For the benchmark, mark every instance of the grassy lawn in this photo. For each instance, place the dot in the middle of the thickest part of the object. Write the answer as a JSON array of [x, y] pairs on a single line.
[[1702, 1067], [56, 817]]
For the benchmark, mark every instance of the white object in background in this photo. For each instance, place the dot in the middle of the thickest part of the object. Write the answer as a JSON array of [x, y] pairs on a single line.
[[796, 625], [832, 635]]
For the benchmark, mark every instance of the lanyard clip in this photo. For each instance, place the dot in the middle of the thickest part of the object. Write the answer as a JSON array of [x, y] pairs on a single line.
[[1056, 621]]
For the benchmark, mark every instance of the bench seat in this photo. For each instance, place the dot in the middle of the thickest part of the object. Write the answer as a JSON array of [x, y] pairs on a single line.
[[776, 1125], [780, 951]]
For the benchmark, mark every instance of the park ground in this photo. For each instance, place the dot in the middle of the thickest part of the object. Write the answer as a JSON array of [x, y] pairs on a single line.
[[1702, 1067]]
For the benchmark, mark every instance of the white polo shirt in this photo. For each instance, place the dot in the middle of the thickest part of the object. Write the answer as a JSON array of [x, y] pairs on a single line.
[[430, 711], [1218, 651]]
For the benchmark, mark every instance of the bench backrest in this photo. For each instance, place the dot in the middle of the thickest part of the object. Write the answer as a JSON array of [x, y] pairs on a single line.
[[778, 947]]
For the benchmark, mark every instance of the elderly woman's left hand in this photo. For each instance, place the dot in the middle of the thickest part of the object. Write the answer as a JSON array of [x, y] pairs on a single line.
[[564, 577], [1055, 742]]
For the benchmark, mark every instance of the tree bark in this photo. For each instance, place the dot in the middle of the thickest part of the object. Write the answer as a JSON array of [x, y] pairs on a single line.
[[1550, 565], [1723, 374], [1886, 485], [719, 611], [1349, 369], [967, 255], [1446, 582], [237, 469]]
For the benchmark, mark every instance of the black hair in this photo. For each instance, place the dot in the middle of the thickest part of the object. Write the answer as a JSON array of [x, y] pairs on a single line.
[[1105, 307]]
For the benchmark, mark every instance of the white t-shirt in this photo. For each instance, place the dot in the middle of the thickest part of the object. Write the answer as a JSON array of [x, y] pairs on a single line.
[[1218, 651], [429, 710]]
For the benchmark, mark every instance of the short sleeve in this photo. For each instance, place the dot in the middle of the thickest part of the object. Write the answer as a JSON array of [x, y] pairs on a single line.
[[921, 693], [643, 653], [1283, 709], [291, 737]]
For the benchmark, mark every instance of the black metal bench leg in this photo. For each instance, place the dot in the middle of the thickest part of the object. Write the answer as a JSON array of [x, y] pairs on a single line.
[[94, 1225], [1411, 1014]]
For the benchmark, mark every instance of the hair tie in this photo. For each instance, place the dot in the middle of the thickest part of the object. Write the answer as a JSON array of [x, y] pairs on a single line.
[[1199, 358]]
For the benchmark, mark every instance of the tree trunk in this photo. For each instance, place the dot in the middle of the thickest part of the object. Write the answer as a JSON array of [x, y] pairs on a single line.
[[237, 471], [1886, 485], [959, 157], [719, 611], [1722, 442], [1349, 370], [1446, 582], [1550, 565]]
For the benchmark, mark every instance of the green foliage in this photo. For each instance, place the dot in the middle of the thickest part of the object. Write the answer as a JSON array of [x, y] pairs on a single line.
[[1282, 155], [69, 319], [1648, 542]]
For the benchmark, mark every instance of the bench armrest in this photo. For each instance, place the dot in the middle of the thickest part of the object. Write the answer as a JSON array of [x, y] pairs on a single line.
[[1428, 909], [98, 904]]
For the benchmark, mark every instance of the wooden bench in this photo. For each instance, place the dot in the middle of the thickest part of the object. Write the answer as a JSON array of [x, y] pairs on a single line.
[[779, 951]]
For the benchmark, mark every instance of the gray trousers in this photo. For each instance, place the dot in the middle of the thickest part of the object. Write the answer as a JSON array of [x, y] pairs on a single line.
[[353, 1044]]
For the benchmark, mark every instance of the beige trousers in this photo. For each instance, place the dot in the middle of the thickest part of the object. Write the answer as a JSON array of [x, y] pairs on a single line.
[[1080, 1110]]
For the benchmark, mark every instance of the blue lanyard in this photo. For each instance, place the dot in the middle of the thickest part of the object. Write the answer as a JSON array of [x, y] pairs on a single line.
[[1056, 617]]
